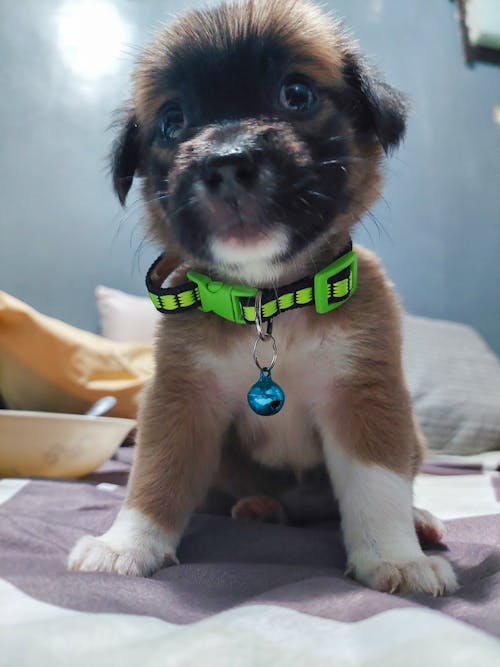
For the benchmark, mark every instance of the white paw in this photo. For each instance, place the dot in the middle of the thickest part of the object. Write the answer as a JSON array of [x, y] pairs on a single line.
[[425, 574], [134, 545], [94, 554]]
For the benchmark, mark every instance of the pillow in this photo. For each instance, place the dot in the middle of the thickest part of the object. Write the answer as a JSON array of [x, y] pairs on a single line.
[[454, 380], [46, 364], [125, 317]]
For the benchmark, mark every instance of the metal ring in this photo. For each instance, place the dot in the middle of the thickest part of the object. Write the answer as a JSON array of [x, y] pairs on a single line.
[[258, 316], [275, 353]]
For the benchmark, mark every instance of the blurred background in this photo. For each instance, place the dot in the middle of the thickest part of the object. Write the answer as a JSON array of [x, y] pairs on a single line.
[[66, 67]]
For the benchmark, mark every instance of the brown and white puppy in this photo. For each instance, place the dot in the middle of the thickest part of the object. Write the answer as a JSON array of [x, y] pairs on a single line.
[[259, 131]]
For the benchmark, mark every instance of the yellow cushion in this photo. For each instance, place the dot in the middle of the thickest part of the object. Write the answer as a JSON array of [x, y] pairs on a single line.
[[46, 364]]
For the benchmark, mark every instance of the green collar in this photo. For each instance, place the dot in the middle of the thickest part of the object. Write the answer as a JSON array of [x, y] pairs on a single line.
[[327, 289]]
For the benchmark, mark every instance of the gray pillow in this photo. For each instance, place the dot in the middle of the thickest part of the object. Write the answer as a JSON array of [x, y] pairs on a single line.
[[454, 380]]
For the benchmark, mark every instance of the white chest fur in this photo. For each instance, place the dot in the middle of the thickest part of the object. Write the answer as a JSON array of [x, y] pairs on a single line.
[[307, 369]]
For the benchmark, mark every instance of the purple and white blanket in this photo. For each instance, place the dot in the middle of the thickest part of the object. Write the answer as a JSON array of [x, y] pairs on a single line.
[[246, 593]]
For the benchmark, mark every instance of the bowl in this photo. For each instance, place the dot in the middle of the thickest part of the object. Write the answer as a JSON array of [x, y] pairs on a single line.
[[51, 444]]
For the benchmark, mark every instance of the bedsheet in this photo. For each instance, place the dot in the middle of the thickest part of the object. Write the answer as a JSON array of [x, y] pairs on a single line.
[[245, 593]]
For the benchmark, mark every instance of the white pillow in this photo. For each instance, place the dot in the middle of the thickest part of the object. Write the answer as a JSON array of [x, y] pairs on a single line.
[[453, 376], [125, 317]]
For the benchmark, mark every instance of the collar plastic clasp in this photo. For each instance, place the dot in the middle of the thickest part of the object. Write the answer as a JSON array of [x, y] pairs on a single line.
[[217, 297], [328, 294]]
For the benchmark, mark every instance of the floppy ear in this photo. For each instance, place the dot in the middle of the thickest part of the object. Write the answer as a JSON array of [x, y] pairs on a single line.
[[125, 156], [377, 106]]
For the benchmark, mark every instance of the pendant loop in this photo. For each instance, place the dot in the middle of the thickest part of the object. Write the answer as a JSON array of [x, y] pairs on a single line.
[[275, 353], [265, 397], [259, 323]]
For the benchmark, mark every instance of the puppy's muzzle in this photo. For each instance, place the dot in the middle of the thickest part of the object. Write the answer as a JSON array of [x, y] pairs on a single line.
[[229, 190]]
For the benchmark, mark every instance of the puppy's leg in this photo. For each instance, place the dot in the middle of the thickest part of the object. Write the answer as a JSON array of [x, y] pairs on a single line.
[[179, 439], [371, 447]]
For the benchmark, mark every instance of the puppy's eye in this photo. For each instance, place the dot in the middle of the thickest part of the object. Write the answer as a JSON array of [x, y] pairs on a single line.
[[298, 96], [171, 122]]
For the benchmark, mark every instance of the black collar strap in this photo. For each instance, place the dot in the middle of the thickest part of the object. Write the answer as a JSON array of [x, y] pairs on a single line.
[[327, 289]]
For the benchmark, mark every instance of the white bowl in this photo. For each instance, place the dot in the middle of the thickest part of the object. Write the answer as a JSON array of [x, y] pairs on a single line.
[[51, 444]]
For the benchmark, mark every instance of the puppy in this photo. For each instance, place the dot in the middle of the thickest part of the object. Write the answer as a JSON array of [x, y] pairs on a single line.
[[259, 131]]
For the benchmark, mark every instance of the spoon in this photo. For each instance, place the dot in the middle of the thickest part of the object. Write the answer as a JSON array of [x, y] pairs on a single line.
[[101, 406]]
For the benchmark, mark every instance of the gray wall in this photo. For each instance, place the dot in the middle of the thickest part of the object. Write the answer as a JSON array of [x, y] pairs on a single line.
[[61, 231]]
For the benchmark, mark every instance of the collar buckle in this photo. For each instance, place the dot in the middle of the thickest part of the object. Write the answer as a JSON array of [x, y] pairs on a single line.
[[217, 297], [330, 294]]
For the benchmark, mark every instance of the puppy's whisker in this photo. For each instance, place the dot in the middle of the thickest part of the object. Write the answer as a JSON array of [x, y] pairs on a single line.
[[378, 224], [137, 228], [387, 205], [367, 230], [132, 211], [304, 201], [178, 209], [365, 211], [331, 163], [313, 261], [308, 248], [340, 160], [298, 185], [145, 241], [327, 240], [321, 195]]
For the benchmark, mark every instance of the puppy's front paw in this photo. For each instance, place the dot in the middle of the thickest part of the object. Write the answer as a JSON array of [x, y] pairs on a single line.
[[134, 545], [426, 574], [94, 554]]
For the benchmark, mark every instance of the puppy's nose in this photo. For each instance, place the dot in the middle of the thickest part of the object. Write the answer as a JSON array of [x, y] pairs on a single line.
[[229, 172]]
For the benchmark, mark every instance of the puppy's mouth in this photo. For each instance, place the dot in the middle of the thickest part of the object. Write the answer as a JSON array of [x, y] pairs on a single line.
[[234, 220], [240, 228]]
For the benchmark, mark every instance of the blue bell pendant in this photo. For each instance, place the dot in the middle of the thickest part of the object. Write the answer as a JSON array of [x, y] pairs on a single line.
[[266, 397]]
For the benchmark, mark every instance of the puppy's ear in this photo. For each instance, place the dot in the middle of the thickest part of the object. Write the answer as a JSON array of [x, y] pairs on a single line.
[[377, 107], [125, 157]]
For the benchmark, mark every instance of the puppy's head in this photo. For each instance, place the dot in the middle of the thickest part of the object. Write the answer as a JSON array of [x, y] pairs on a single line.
[[258, 130]]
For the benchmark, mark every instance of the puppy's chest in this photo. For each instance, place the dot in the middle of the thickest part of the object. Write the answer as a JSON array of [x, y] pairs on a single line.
[[307, 369]]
